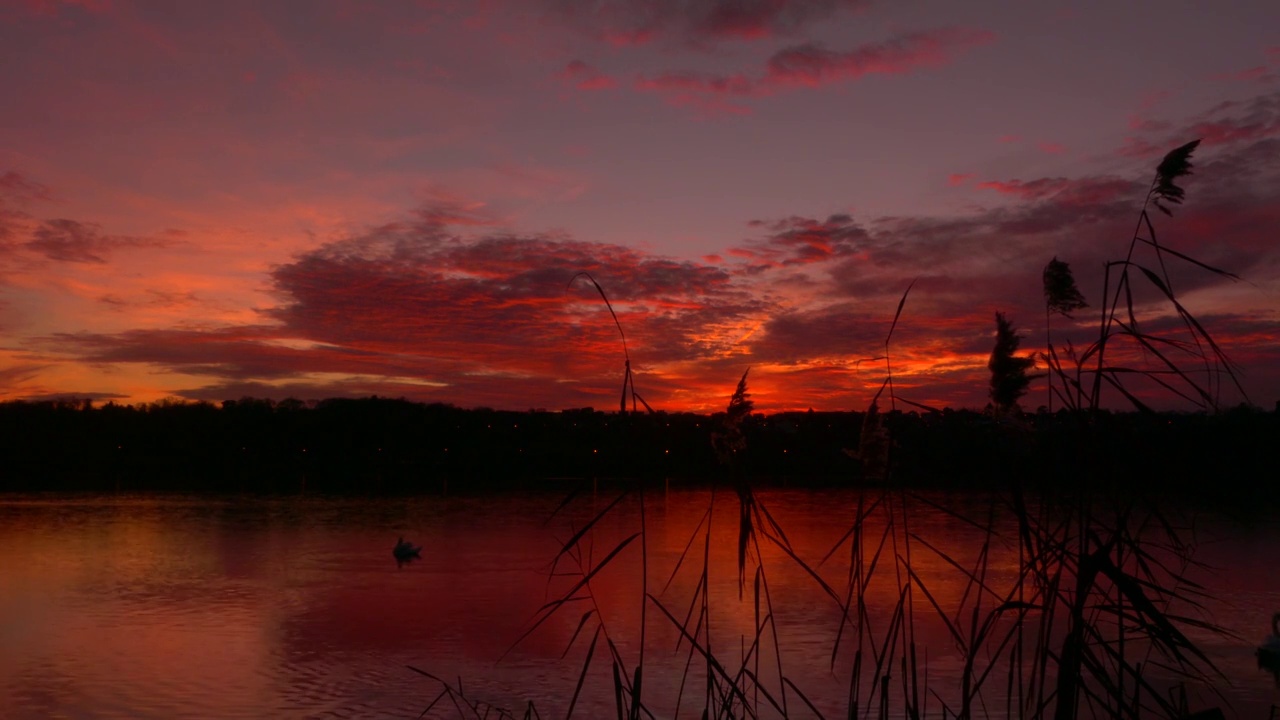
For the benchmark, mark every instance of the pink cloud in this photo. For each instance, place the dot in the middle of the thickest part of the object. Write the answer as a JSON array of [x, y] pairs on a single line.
[[54, 7], [1229, 122], [802, 241], [418, 309], [706, 106], [1139, 124], [1136, 147], [624, 38], [958, 179], [694, 82], [599, 82], [625, 23], [1086, 191], [1051, 148], [1228, 131], [808, 66], [586, 77], [1254, 73]]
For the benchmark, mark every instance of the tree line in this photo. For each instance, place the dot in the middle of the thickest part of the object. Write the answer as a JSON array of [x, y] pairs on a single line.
[[381, 445]]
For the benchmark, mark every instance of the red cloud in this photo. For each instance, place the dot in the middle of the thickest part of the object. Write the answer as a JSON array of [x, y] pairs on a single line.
[[810, 66], [1085, 191], [14, 186], [623, 23], [456, 319], [957, 179], [801, 241], [53, 7], [72, 241], [696, 83], [585, 77], [1228, 123], [623, 38], [419, 309], [1254, 73], [1229, 131]]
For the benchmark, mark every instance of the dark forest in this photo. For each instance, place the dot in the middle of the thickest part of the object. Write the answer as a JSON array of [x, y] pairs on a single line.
[[378, 445]]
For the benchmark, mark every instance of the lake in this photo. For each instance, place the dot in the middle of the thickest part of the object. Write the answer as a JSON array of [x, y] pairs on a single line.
[[174, 606]]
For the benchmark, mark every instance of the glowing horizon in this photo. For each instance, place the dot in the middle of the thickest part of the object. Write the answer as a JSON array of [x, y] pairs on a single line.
[[225, 200]]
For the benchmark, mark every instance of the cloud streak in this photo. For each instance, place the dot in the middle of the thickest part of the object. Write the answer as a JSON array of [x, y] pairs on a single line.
[[811, 65], [443, 306], [622, 23], [77, 242]]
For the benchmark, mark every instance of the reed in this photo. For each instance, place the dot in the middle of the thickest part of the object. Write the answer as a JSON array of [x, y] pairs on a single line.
[[1192, 367], [1099, 603], [628, 382]]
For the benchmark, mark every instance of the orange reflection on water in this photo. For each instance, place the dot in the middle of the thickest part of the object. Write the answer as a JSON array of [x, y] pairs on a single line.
[[242, 608]]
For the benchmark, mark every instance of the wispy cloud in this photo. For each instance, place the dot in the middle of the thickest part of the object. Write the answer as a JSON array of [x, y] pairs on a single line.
[[452, 301], [443, 306], [623, 23], [74, 241], [16, 187], [586, 77], [811, 65]]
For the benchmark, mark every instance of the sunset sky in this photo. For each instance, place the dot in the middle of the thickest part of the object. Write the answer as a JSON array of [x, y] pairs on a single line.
[[210, 200]]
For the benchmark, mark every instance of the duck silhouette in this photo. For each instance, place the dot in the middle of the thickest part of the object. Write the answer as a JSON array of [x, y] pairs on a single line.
[[405, 551]]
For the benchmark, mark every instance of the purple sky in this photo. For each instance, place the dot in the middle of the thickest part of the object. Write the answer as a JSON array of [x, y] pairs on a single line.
[[209, 200]]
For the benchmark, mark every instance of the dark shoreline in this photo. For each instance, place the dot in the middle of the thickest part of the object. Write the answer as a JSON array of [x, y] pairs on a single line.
[[382, 446]]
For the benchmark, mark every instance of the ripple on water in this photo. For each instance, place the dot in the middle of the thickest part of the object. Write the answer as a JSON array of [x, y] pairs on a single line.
[[295, 608]]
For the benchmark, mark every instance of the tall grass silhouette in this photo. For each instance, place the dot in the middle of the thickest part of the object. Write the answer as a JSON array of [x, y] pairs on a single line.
[[628, 382], [1091, 621], [1192, 367]]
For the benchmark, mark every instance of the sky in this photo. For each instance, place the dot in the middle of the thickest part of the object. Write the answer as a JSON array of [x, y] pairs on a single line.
[[213, 200]]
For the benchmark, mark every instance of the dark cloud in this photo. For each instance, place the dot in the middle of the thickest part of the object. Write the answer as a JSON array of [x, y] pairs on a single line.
[[967, 266], [74, 241], [801, 241], [810, 65], [16, 375], [15, 190], [231, 352], [412, 309], [623, 22], [17, 187], [586, 77], [444, 306], [1228, 123], [64, 397]]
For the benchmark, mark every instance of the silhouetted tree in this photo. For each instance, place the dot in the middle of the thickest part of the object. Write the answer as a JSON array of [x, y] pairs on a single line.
[[1009, 378]]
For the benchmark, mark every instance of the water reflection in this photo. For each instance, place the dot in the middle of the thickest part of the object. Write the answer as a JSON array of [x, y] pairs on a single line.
[[244, 608]]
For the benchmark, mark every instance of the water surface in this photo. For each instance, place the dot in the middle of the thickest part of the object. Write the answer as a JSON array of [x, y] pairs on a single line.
[[182, 606]]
